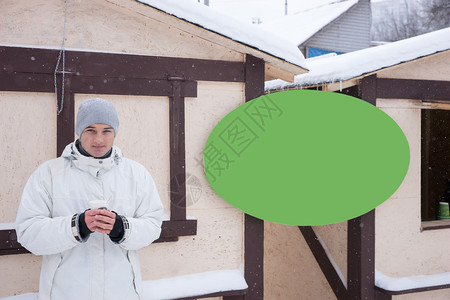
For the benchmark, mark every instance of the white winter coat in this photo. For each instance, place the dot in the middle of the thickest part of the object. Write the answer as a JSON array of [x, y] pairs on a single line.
[[96, 268]]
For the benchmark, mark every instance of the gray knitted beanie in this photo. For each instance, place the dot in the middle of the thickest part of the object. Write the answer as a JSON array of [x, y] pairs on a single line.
[[96, 110]]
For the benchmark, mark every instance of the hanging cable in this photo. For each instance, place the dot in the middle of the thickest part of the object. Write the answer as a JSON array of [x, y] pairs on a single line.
[[62, 53]]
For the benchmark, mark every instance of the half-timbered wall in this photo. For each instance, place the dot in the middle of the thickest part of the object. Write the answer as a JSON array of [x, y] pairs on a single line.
[[29, 134], [402, 248]]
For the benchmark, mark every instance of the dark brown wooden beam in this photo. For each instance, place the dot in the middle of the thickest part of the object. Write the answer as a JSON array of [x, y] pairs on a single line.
[[413, 291], [27, 82], [324, 262], [170, 232], [130, 86], [92, 64], [65, 128], [361, 257], [416, 89], [177, 153], [178, 228], [9, 244], [24, 82], [254, 77], [379, 295], [361, 230], [227, 295], [368, 89], [254, 227]]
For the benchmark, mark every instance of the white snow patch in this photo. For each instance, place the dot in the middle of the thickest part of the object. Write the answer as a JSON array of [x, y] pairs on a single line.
[[302, 25], [235, 29], [357, 63], [166, 217], [333, 262], [29, 296], [412, 282], [6, 226], [194, 284], [181, 286]]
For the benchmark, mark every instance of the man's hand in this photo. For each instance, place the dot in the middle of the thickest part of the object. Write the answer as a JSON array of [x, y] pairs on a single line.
[[100, 220]]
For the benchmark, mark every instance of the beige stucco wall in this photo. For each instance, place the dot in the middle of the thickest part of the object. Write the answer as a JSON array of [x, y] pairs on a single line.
[[116, 26], [27, 139], [401, 248], [433, 67], [431, 295], [127, 27], [143, 136], [290, 269]]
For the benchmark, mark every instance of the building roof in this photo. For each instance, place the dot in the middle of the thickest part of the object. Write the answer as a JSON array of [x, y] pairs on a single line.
[[354, 64], [303, 25], [234, 29]]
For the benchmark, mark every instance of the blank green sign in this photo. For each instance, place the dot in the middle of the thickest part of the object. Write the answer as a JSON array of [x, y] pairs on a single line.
[[306, 157]]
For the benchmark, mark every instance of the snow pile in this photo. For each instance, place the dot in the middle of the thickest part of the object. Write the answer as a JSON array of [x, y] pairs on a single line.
[[357, 63], [181, 286], [6, 226], [29, 296], [235, 29], [194, 284], [301, 26], [412, 282]]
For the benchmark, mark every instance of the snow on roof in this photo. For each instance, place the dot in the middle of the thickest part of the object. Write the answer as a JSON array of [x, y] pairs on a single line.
[[301, 26], [411, 282], [237, 30], [357, 63]]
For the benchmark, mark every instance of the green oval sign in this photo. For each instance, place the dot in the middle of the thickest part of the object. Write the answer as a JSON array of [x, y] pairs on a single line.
[[306, 157]]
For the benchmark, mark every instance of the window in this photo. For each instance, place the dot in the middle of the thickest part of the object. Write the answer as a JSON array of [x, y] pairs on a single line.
[[435, 158]]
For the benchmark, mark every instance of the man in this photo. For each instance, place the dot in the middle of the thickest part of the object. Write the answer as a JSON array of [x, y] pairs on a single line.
[[90, 253]]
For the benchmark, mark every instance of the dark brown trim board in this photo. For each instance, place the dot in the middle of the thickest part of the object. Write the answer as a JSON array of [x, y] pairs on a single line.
[[372, 88], [368, 89], [177, 154], [361, 257], [123, 66], [254, 228], [361, 231], [379, 295], [413, 291], [227, 295], [324, 262], [171, 231], [9, 244], [393, 88], [65, 128]]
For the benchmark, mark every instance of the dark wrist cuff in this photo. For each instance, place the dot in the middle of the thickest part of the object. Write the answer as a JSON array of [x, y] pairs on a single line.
[[117, 232], [84, 230]]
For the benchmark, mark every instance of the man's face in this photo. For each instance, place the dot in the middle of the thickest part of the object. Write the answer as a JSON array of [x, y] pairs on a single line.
[[97, 139]]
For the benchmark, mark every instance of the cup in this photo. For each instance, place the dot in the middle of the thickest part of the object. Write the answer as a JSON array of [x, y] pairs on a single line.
[[98, 204], [444, 213]]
